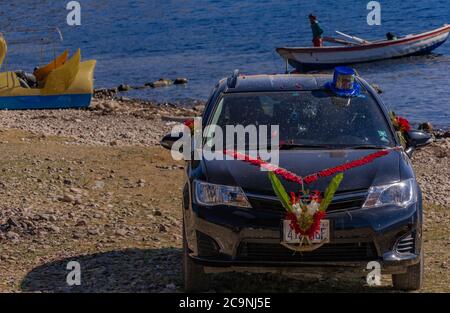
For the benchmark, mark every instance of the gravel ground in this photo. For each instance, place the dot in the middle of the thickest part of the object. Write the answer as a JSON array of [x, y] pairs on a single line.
[[432, 167], [107, 122], [93, 186]]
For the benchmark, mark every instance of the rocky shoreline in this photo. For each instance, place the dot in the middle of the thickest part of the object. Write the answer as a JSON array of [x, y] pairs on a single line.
[[162, 82], [94, 185], [108, 121]]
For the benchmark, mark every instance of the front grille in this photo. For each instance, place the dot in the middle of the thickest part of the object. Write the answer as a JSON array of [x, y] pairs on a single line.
[[251, 251], [206, 246], [341, 201], [406, 244], [350, 204]]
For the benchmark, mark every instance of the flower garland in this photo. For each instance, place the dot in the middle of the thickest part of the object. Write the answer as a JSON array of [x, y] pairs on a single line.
[[313, 214], [289, 176], [312, 230], [305, 211], [401, 126], [189, 123], [305, 215]]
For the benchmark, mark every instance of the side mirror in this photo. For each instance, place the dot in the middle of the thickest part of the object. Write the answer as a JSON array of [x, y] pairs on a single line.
[[168, 140], [417, 139]]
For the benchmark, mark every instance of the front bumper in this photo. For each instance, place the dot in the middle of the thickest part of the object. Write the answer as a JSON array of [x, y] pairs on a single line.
[[232, 239]]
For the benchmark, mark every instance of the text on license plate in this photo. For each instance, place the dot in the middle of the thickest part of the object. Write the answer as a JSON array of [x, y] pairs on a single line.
[[289, 235]]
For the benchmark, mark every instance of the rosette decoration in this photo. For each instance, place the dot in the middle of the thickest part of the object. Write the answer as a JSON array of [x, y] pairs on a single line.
[[306, 209], [190, 123], [401, 126]]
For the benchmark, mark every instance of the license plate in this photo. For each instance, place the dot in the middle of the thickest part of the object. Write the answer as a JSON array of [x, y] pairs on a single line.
[[323, 236]]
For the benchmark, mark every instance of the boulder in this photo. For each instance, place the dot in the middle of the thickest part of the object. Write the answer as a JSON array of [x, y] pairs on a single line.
[[123, 88], [67, 198], [162, 82], [105, 93], [181, 81], [427, 126]]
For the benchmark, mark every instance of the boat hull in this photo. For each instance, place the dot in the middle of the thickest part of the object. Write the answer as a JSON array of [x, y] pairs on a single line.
[[331, 56], [45, 102], [68, 86]]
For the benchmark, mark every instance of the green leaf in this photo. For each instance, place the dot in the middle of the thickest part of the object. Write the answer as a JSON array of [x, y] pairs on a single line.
[[330, 191], [280, 192], [392, 114], [402, 138]]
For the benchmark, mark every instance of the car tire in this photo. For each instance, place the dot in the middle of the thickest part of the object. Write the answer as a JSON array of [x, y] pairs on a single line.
[[412, 279], [194, 277]]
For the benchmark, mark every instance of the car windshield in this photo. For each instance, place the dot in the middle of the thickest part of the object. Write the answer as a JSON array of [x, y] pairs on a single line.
[[308, 118]]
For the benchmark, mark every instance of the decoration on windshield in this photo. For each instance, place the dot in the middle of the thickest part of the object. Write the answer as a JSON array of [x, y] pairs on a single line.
[[344, 82]]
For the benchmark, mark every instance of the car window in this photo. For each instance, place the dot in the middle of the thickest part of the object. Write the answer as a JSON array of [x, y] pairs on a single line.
[[309, 117]]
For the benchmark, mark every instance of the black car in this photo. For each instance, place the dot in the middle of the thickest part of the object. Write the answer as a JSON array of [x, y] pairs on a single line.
[[232, 218]]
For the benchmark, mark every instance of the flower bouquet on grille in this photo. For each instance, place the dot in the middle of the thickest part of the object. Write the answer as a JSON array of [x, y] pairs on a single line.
[[304, 210]]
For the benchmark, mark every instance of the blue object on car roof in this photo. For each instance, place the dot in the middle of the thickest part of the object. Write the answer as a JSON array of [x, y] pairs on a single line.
[[344, 82]]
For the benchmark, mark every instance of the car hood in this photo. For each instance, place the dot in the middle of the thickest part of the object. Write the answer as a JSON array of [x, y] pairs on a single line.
[[381, 171]]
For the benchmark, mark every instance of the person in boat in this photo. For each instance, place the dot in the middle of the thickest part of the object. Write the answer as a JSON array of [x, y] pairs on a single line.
[[27, 80], [391, 36], [316, 30]]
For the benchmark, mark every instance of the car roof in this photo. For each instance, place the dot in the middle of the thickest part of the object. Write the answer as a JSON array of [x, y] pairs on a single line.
[[277, 82]]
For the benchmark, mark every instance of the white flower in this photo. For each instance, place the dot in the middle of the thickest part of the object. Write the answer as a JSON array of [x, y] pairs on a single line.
[[313, 207], [297, 209]]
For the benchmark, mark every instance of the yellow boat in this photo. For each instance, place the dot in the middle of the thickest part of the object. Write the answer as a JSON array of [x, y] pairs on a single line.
[[42, 72], [63, 83]]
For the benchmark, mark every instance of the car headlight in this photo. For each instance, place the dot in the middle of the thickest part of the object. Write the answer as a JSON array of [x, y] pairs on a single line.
[[212, 194], [401, 194]]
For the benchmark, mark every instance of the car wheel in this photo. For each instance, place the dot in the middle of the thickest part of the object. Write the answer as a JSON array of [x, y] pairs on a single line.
[[194, 277], [412, 279]]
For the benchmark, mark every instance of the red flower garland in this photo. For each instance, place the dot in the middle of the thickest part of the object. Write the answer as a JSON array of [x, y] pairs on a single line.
[[312, 230], [403, 124], [189, 123], [289, 176]]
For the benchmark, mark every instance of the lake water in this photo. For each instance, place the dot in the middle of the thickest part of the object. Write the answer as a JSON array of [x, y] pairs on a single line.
[[140, 41]]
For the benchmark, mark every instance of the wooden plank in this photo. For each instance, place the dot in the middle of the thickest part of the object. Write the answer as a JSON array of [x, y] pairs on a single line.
[[357, 39], [340, 41]]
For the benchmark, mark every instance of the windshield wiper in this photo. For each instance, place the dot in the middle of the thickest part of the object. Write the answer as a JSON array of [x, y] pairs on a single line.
[[361, 147]]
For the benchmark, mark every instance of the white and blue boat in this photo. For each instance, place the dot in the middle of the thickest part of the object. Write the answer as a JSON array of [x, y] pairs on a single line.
[[361, 51]]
